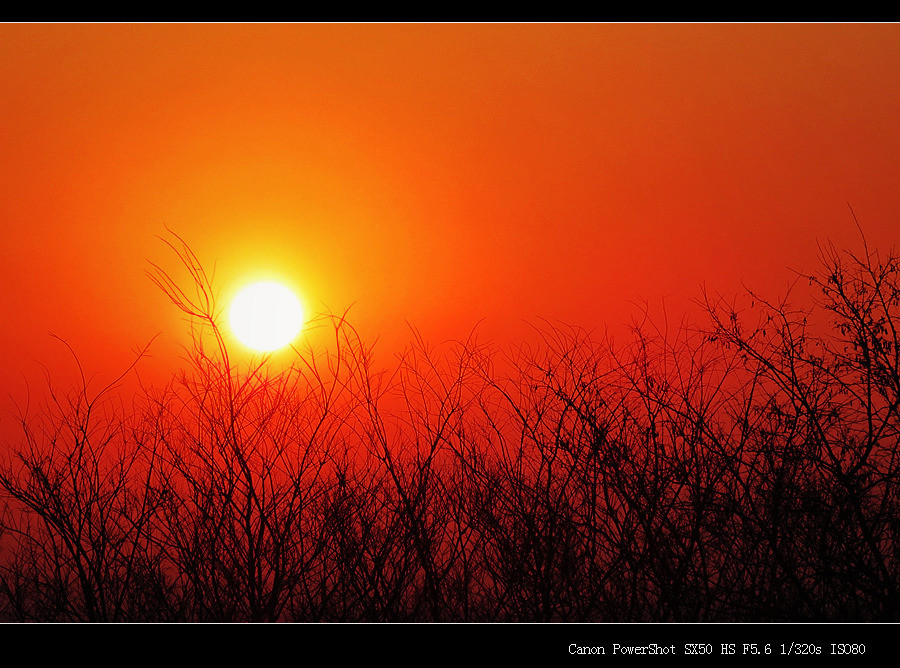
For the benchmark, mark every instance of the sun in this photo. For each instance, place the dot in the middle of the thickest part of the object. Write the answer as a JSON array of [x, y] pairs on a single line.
[[266, 316]]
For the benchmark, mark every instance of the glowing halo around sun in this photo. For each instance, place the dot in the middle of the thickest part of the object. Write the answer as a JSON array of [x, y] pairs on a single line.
[[266, 316]]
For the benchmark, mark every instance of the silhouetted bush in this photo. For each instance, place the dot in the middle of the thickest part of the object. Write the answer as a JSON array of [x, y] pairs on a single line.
[[745, 469]]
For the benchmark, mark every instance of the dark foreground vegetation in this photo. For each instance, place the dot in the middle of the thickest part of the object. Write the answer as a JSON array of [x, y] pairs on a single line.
[[743, 469]]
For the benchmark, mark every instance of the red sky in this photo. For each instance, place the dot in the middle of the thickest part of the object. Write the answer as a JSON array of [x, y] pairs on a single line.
[[429, 173]]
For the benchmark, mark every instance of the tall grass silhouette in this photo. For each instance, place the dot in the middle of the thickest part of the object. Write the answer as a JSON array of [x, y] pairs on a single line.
[[745, 468]]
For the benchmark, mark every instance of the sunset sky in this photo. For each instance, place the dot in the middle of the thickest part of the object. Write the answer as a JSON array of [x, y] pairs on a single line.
[[439, 175]]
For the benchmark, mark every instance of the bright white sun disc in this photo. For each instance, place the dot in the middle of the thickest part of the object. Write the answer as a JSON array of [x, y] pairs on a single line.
[[266, 316]]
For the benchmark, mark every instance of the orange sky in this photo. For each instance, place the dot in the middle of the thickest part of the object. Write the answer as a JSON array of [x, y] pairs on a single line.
[[436, 174]]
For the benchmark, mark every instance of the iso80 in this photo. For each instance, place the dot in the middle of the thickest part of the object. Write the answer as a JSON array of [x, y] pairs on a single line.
[[847, 648]]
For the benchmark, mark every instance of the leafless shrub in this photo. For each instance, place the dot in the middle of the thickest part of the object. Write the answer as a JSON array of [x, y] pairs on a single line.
[[743, 469]]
